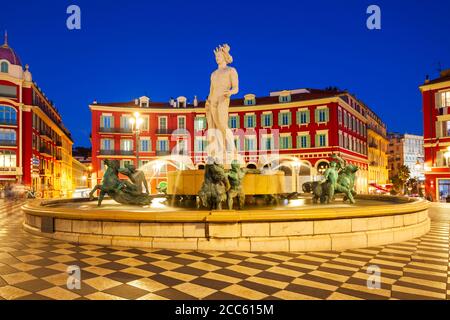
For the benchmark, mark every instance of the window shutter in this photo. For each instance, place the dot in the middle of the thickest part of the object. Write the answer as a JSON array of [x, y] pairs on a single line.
[[238, 121], [298, 117], [289, 118], [316, 141], [280, 119], [327, 115], [308, 118], [316, 116], [290, 142], [229, 122], [271, 119], [437, 98], [308, 141], [262, 120], [102, 122], [245, 121]]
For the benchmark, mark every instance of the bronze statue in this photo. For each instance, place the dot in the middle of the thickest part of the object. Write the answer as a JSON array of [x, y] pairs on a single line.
[[122, 191], [235, 177], [136, 176], [215, 186], [338, 178]]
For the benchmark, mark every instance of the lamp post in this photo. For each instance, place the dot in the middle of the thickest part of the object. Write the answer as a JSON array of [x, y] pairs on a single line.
[[136, 122]]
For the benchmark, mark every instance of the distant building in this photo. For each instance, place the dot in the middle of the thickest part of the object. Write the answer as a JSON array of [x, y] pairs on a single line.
[[35, 146], [377, 142], [304, 124], [436, 122], [406, 149]]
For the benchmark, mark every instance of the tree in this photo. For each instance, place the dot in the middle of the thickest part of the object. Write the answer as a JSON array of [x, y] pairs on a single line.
[[400, 179]]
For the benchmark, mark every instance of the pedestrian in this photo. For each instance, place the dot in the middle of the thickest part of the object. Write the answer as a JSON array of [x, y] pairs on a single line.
[[9, 198]]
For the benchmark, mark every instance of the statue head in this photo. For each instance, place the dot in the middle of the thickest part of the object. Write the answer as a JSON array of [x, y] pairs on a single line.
[[130, 167], [333, 164], [222, 54]]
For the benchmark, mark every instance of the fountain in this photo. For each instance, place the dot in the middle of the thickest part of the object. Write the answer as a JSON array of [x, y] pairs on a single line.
[[189, 214]]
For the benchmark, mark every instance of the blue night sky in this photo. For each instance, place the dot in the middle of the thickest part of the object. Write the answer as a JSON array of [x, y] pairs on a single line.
[[126, 49]]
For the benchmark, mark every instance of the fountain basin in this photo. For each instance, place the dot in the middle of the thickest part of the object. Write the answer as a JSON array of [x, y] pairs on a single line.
[[297, 227], [189, 182]]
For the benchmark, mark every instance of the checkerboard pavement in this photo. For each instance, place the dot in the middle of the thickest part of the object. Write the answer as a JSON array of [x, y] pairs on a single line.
[[32, 267]]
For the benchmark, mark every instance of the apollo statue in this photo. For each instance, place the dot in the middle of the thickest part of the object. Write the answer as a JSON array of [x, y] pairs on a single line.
[[224, 84]]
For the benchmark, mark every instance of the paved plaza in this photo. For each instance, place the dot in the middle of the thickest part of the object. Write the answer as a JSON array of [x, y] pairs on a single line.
[[32, 267]]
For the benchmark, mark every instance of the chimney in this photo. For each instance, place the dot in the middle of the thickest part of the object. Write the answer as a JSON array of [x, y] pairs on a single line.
[[172, 102], [195, 101], [136, 101], [427, 78]]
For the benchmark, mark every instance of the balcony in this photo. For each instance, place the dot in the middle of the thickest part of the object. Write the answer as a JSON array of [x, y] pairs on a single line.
[[45, 134], [164, 131], [162, 152], [107, 152], [58, 157], [126, 152], [10, 170], [115, 130], [373, 145], [8, 122], [8, 143], [45, 151], [59, 144]]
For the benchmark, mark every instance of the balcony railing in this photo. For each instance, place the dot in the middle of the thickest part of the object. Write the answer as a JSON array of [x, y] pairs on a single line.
[[45, 150], [164, 131], [8, 122], [45, 134], [107, 152], [126, 152], [8, 143], [116, 152], [59, 157], [115, 130], [162, 152], [59, 143]]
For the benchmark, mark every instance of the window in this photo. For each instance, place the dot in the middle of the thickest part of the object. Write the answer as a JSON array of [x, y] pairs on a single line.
[[250, 121], [284, 119], [125, 122], [322, 115], [200, 144], [321, 140], [7, 159], [126, 145], [162, 123], [233, 122], [249, 100], [182, 122], [200, 123], [145, 123], [303, 117], [145, 145], [8, 115], [345, 119], [250, 143], [286, 142], [107, 121], [107, 144], [303, 141], [443, 99], [163, 145], [340, 116], [237, 143], [7, 137], [267, 143], [266, 120], [8, 91], [4, 67], [284, 98]]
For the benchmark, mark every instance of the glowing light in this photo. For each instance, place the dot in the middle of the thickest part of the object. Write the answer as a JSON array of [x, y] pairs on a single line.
[[158, 203], [296, 202]]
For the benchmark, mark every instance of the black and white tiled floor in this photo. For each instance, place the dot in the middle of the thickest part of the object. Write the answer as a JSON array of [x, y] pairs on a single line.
[[35, 268]]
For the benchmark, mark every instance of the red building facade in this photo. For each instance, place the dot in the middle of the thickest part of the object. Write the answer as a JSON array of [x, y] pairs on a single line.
[[436, 117], [35, 147], [303, 126]]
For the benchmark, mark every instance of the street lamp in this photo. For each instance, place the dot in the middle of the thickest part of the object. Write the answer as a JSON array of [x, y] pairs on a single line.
[[136, 122]]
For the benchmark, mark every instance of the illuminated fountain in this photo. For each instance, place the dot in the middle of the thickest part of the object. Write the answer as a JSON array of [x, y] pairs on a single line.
[[176, 219]]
